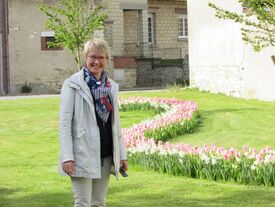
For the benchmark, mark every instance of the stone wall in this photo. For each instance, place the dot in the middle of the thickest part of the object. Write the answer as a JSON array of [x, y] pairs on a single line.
[[44, 70], [130, 33], [150, 72], [125, 77], [125, 71], [167, 28], [118, 12]]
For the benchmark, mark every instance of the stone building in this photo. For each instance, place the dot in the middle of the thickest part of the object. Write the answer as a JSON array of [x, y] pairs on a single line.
[[148, 40], [219, 60]]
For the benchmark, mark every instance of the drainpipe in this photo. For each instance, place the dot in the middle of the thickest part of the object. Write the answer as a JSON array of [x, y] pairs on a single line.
[[5, 48], [1, 65]]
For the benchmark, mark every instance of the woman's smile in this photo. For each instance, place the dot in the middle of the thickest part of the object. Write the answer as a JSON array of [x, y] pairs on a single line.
[[96, 61]]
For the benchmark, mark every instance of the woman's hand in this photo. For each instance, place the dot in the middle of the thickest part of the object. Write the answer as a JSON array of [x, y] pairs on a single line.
[[68, 167], [124, 164]]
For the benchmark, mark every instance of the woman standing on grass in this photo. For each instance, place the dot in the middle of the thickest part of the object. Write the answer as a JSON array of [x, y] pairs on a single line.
[[90, 134]]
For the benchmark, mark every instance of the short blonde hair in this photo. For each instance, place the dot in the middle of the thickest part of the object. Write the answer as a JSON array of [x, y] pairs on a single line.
[[98, 43]]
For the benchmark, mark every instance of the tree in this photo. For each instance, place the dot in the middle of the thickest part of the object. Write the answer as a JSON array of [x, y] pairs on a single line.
[[258, 22], [74, 22]]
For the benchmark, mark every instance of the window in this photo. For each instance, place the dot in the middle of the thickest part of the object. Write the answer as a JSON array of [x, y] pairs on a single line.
[[182, 26], [47, 37], [151, 28]]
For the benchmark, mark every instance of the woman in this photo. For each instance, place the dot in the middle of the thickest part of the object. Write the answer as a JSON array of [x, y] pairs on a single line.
[[90, 134]]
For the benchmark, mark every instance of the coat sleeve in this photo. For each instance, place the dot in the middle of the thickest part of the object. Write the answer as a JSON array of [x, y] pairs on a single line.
[[67, 99], [123, 154]]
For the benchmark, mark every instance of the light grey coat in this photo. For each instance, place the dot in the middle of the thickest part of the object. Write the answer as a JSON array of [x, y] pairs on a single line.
[[79, 135]]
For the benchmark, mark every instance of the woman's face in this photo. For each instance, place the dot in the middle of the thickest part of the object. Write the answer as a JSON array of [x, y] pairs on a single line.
[[96, 61]]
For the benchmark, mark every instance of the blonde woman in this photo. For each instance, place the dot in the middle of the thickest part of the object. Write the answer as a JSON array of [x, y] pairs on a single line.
[[90, 136]]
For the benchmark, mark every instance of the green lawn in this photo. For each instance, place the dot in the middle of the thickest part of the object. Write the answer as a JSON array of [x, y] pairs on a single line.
[[29, 152]]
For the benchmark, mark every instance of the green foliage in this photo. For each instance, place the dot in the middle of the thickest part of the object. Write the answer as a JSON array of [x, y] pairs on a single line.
[[141, 107], [176, 129], [74, 22], [182, 82], [178, 85], [168, 132], [192, 165], [173, 62], [258, 22], [26, 88]]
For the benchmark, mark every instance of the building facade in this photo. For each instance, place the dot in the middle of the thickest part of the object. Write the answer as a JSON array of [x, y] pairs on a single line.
[[144, 36], [220, 62]]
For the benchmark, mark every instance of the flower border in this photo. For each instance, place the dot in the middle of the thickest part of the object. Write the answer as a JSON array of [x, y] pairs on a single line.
[[209, 162]]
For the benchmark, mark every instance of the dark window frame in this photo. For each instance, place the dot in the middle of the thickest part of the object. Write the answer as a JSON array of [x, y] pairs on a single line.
[[44, 43]]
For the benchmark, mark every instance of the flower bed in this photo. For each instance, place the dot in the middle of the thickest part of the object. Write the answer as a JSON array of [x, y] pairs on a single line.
[[208, 162], [175, 117]]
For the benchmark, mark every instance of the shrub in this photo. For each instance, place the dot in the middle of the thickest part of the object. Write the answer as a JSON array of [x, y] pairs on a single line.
[[27, 88]]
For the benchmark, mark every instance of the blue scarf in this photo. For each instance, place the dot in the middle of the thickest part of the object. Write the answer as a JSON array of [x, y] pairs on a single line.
[[101, 90]]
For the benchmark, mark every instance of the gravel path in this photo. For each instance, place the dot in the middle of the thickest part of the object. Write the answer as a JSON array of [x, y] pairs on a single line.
[[57, 95]]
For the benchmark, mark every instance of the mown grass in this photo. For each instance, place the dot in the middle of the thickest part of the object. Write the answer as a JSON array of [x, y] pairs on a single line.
[[151, 189], [29, 152]]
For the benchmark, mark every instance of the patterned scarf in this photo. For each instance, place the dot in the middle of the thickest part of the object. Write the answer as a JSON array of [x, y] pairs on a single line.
[[100, 89]]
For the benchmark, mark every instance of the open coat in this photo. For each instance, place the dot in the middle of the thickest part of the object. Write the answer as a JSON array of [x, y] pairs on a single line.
[[79, 135]]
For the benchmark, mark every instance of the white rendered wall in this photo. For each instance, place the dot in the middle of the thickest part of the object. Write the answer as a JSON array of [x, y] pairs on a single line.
[[259, 74], [219, 61]]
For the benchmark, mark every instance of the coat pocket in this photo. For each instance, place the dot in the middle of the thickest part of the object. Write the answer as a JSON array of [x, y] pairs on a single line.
[[79, 133]]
